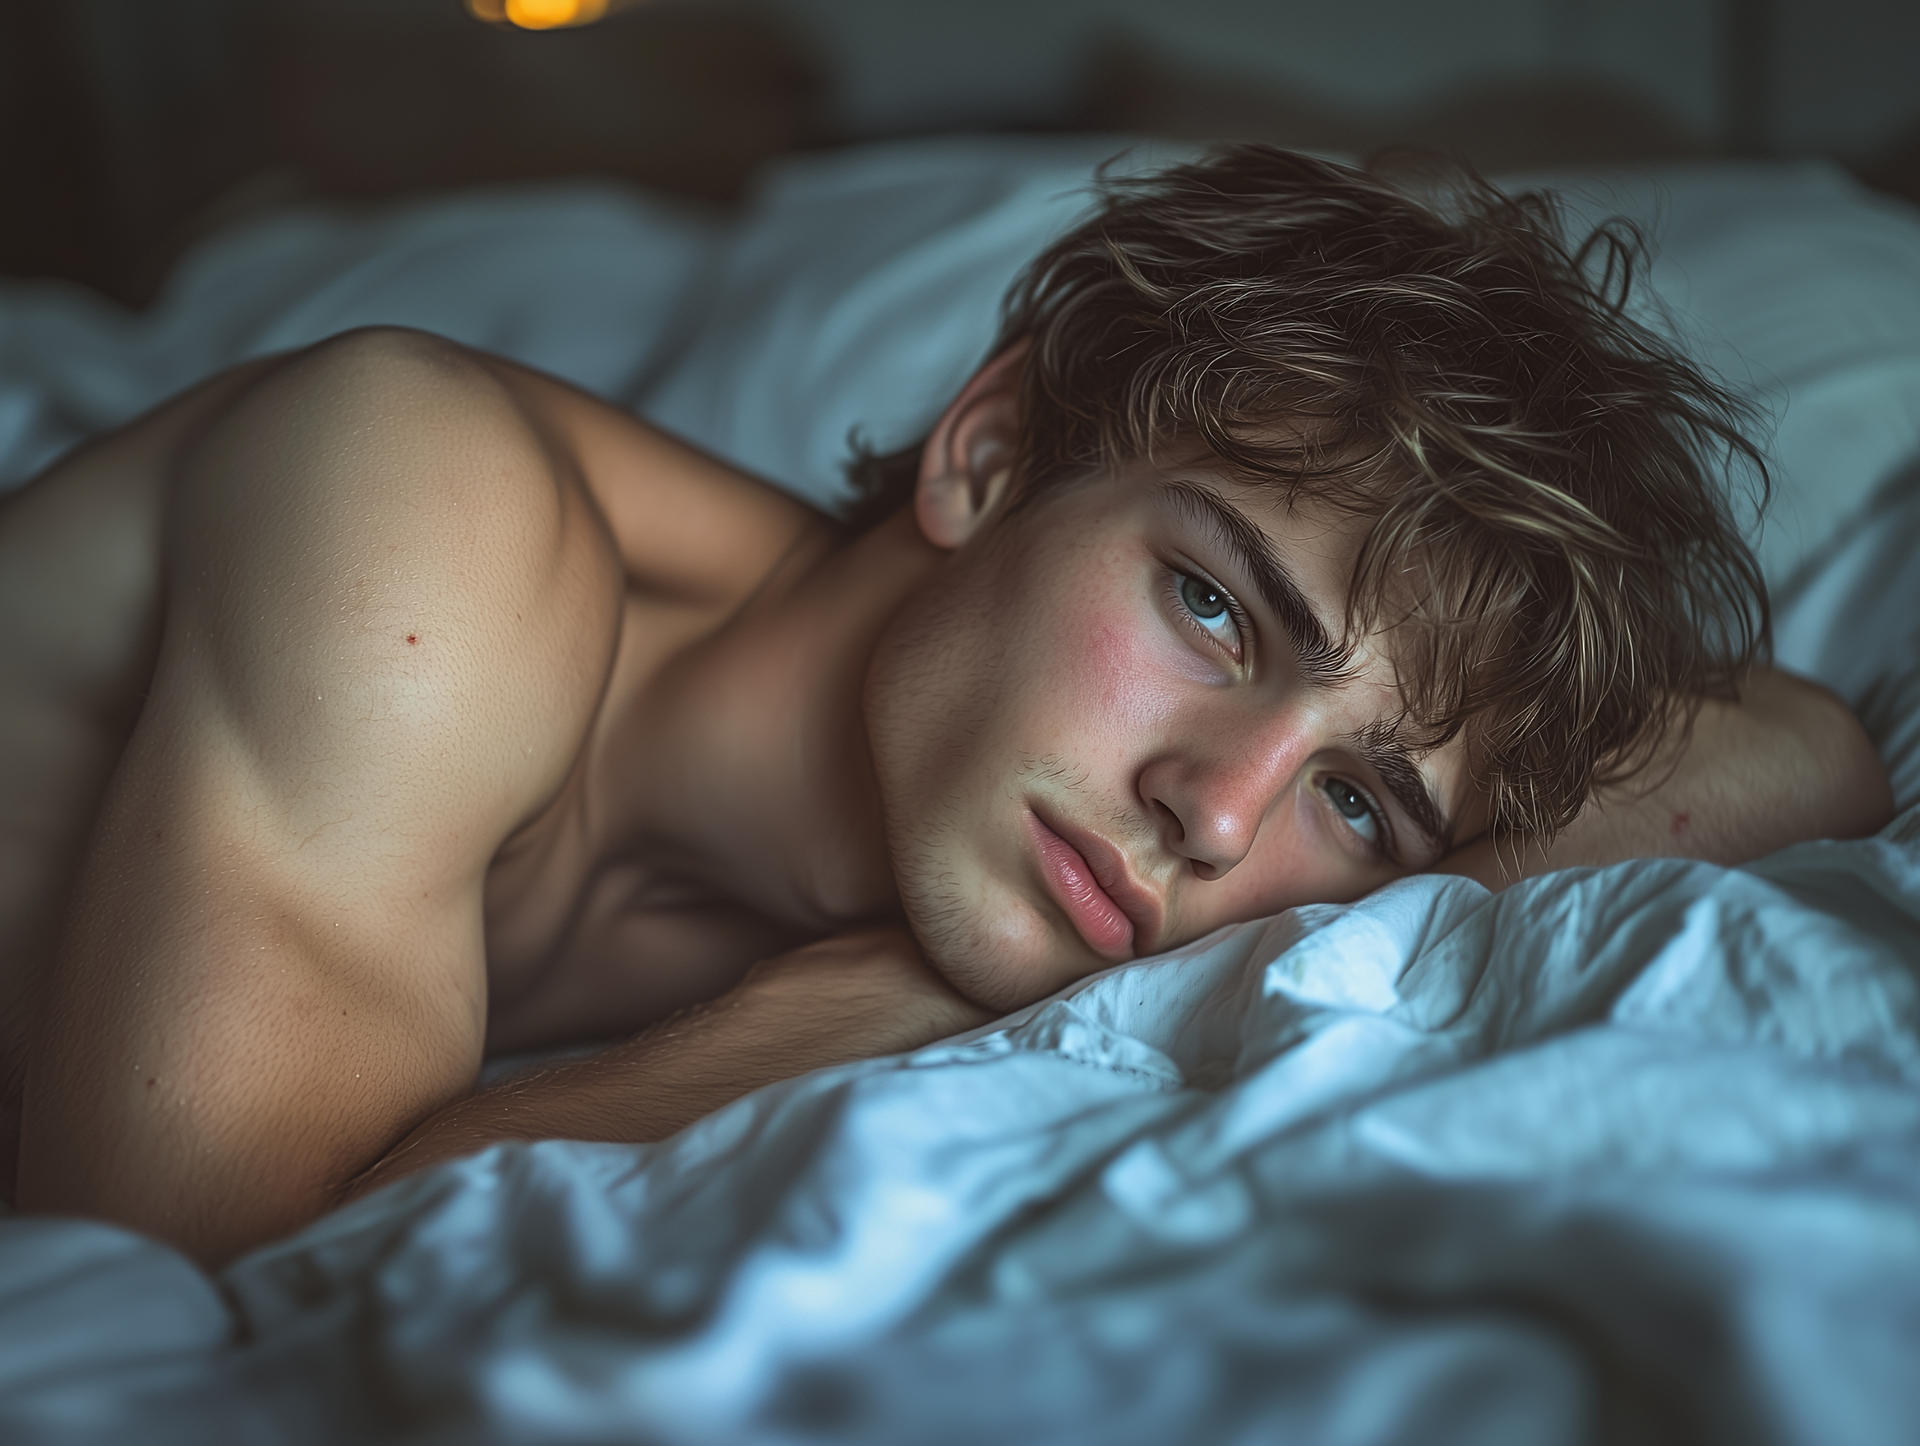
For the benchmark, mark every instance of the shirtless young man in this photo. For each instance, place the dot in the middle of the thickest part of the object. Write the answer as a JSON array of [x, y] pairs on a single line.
[[400, 705]]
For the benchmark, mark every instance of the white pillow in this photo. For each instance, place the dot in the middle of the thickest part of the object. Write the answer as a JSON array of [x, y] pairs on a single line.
[[594, 282], [862, 288]]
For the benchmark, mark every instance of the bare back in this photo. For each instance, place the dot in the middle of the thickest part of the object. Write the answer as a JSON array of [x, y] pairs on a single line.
[[473, 560]]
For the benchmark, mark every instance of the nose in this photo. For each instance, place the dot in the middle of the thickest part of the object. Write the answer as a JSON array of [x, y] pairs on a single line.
[[1212, 791]]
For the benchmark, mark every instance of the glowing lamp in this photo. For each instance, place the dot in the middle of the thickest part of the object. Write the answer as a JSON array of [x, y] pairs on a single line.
[[537, 14]]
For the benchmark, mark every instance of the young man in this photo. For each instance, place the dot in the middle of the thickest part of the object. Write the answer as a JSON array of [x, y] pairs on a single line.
[[376, 707]]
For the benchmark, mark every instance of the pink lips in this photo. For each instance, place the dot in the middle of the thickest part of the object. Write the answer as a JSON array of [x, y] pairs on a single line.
[[1101, 922]]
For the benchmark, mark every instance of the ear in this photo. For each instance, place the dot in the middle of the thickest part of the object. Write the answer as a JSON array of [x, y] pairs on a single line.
[[967, 464]]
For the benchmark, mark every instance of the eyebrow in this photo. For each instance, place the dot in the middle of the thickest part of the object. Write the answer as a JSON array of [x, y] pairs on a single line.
[[1387, 755], [1252, 550], [1319, 659]]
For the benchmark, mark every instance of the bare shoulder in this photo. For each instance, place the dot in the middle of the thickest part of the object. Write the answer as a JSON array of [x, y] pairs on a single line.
[[425, 558], [390, 608]]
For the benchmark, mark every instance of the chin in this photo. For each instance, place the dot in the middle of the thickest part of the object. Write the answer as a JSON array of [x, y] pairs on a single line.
[[1001, 953]]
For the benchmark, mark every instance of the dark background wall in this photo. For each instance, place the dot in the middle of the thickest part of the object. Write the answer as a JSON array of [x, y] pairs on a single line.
[[134, 125]]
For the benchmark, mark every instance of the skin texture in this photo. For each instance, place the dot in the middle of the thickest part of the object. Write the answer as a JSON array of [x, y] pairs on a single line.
[[437, 709]]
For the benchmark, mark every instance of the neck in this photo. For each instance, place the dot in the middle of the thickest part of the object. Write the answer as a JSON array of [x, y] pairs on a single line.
[[743, 764]]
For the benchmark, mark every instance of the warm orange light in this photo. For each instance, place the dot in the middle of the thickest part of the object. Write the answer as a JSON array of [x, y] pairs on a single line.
[[493, 11], [552, 14]]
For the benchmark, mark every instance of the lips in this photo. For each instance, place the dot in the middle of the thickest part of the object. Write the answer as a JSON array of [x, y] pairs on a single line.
[[1088, 878]]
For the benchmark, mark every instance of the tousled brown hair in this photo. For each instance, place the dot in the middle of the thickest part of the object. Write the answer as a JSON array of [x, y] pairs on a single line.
[[1542, 477]]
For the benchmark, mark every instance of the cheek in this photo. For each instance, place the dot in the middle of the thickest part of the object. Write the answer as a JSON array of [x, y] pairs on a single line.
[[1105, 677], [1114, 668]]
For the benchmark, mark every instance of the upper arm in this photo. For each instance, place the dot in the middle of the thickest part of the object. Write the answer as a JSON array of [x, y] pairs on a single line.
[[373, 667]]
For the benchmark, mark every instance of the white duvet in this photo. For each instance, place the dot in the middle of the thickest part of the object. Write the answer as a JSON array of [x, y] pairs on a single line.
[[1620, 1155]]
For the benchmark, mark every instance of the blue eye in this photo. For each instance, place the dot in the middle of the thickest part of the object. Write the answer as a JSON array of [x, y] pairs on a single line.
[[1210, 607], [1359, 811]]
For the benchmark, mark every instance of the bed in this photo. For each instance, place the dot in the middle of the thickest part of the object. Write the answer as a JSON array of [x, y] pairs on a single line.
[[1629, 1154]]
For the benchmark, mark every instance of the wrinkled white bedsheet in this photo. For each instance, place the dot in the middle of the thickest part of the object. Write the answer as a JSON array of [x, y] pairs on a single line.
[[1623, 1155], [1630, 1155]]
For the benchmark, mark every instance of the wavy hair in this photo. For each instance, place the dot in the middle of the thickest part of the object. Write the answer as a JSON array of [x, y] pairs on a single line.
[[1545, 482]]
